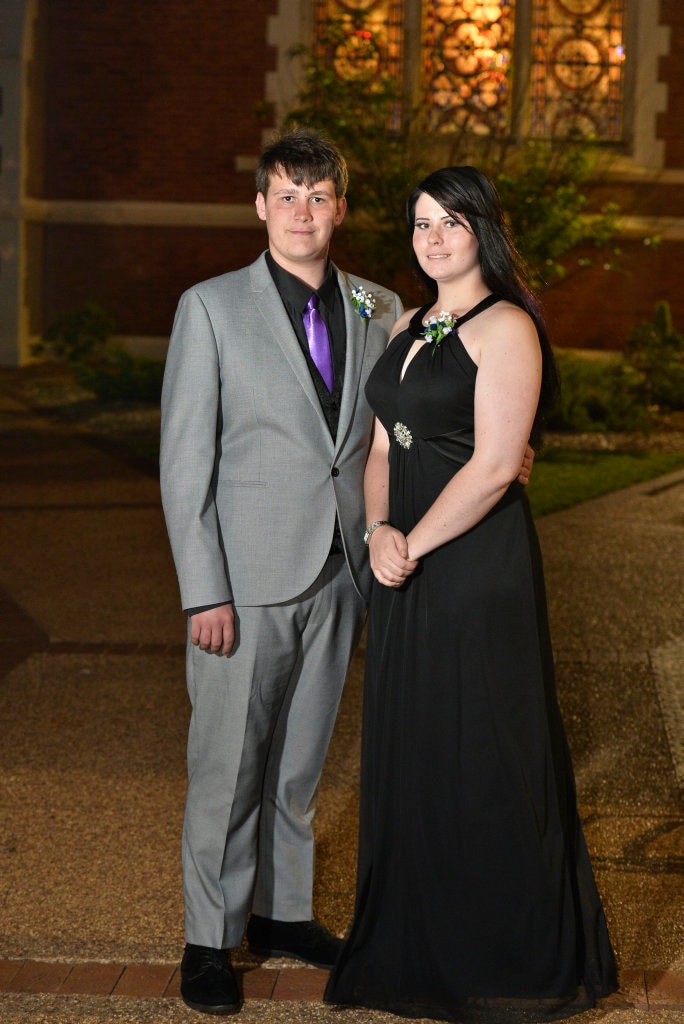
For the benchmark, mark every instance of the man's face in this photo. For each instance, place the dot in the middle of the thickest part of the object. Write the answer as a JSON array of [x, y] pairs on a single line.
[[300, 220]]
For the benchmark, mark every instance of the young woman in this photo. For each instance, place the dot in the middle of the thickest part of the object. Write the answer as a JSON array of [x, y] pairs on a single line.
[[475, 895]]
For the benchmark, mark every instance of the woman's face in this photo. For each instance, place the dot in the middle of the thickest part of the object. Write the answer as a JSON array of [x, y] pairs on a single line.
[[445, 248]]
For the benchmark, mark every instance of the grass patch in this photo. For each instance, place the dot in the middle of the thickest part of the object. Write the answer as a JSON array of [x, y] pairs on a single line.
[[562, 478]]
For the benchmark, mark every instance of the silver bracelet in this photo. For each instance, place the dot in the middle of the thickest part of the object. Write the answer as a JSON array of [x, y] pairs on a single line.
[[373, 527]]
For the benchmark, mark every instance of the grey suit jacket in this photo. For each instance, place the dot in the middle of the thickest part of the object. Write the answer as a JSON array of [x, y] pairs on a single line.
[[251, 478]]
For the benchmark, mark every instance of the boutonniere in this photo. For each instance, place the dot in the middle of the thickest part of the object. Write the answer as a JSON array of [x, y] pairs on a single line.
[[363, 302], [437, 328]]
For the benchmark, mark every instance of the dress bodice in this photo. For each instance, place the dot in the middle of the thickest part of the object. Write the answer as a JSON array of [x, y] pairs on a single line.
[[433, 400]]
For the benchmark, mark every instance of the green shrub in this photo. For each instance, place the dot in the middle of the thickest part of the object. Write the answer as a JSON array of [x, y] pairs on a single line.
[[78, 335], [122, 377], [543, 191], [597, 394], [81, 338], [656, 351]]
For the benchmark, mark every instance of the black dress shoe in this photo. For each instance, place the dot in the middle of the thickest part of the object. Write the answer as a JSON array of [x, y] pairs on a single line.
[[304, 940], [207, 980]]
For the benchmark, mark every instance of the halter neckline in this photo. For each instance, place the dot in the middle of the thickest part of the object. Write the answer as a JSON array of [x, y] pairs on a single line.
[[416, 325]]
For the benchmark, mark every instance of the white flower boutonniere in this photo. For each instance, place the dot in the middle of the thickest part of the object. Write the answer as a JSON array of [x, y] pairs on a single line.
[[437, 328], [363, 302]]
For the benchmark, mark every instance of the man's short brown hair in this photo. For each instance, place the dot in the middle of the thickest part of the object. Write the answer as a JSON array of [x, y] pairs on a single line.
[[305, 156]]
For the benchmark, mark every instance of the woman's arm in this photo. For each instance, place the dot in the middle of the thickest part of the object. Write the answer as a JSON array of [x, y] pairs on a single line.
[[376, 475], [387, 546], [506, 396]]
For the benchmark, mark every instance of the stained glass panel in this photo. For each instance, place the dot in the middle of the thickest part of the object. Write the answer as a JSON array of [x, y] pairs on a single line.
[[576, 51], [367, 39], [578, 68], [467, 50]]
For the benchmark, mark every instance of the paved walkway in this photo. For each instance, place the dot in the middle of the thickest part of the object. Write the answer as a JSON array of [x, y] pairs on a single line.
[[94, 714]]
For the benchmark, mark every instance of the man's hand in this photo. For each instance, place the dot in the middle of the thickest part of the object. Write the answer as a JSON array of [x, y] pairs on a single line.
[[389, 557], [526, 468], [214, 630]]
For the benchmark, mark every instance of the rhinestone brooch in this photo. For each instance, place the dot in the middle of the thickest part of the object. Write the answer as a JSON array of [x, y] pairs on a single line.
[[403, 435]]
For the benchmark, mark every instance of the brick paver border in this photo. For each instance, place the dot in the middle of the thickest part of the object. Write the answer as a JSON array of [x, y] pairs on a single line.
[[148, 981], [641, 989]]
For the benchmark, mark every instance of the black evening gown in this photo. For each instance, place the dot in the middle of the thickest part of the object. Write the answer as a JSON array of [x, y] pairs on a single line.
[[475, 897]]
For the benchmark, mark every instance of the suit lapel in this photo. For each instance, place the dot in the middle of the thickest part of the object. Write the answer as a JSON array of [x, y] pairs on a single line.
[[277, 323], [356, 347]]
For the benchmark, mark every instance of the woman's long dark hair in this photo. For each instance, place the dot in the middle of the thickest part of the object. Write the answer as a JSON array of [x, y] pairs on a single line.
[[467, 193]]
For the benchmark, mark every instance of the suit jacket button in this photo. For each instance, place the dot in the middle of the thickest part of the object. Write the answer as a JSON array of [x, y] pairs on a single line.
[[334, 471]]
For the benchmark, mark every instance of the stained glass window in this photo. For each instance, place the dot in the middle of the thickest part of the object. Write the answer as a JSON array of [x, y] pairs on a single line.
[[578, 68], [575, 49], [368, 36], [466, 53]]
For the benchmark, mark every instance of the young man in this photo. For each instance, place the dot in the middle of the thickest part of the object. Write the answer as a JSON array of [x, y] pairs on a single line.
[[262, 456]]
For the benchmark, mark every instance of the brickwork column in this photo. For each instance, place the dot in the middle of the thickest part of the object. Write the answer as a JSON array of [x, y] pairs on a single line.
[[292, 25], [670, 119], [650, 91], [13, 309]]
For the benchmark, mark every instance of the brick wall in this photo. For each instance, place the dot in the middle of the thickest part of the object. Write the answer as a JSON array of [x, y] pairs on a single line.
[[153, 100], [597, 309], [148, 101], [137, 273]]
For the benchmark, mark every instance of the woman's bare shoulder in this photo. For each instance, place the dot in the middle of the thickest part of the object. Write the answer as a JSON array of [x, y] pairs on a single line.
[[506, 316]]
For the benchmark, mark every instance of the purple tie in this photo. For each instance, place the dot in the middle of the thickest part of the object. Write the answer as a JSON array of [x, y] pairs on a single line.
[[319, 343]]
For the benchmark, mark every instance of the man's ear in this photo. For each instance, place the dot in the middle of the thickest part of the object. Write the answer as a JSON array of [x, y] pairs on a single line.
[[341, 210], [260, 203]]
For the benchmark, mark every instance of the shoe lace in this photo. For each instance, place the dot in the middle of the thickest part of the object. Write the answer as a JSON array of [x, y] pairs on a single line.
[[216, 958]]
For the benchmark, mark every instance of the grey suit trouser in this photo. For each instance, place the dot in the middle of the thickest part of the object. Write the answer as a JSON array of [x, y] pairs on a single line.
[[261, 723]]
